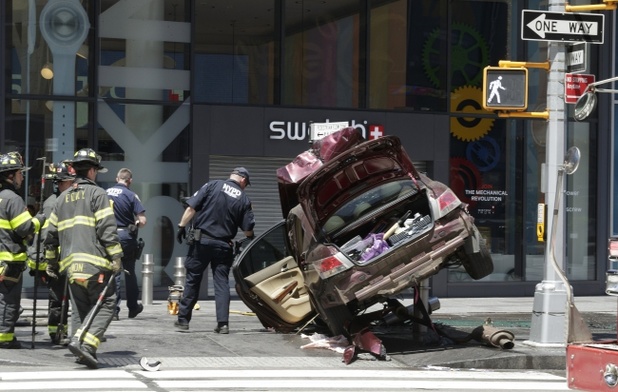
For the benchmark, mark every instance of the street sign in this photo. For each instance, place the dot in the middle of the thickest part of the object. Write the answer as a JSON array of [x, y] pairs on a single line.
[[575, 85], [576, 59], [558, 26], [505, 88]]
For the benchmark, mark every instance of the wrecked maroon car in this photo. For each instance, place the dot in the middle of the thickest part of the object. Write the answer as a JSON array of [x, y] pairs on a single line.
[[362, 225]]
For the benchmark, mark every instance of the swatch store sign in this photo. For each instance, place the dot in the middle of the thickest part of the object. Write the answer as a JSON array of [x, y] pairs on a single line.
[[301, 131]]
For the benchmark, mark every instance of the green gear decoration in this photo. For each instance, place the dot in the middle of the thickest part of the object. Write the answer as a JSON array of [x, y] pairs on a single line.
[[469, 55], [468, 99]]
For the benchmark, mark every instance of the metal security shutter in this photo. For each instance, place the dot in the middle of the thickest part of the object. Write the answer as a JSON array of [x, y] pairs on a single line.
[[263, 191]]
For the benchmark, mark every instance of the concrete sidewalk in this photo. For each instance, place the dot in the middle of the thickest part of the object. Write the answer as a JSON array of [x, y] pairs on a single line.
[[153, 335]]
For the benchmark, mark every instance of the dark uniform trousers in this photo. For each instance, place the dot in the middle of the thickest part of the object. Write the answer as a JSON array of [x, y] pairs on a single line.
[[84, 296], [219, 255], [128, 243], [56, 293], [10, 297]]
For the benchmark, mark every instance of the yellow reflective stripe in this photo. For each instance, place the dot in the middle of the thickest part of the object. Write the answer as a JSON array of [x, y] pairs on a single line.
[[21, 219], [32, 264], [8, 256], [102, 213], [76, 220], [52, 328], [4, 224], [37, 224], [86, 258], [6, 336], [114, 249], [53, 219], [89, 338], [50, 254]]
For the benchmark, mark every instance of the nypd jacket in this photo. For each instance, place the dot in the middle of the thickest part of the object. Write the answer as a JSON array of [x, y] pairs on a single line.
[[83, 228], [17, 226]]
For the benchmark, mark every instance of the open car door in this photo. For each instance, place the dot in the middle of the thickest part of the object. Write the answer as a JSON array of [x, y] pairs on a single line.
[[269, 281]]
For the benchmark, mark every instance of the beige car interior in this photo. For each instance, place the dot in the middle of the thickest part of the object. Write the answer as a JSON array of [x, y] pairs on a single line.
[[282, 288]]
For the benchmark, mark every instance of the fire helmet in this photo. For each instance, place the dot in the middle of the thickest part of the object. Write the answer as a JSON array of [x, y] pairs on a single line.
[[12, 161], [87, 157], [60, 171]]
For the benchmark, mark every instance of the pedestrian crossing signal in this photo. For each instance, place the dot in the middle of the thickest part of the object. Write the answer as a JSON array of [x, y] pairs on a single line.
[[505, 88]]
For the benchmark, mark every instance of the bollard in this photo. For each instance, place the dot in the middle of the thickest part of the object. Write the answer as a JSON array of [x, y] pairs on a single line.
[[180, 272], [147, 273]]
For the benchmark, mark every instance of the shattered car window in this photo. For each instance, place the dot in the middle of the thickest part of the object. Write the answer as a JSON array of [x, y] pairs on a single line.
[[367, 202]]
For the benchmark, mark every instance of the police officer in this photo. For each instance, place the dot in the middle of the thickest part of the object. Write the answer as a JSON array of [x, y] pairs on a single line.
[[216, 211], [62, 177], [90, 253], [130, 215], [17, 227]]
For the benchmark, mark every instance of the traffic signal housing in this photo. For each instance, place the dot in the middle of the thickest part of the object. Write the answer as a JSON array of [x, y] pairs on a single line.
[[505, 88]]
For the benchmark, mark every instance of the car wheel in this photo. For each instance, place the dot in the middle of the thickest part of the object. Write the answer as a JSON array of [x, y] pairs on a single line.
[[478, 262]]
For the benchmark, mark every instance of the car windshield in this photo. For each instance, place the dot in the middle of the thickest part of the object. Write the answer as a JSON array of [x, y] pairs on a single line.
[[367, 202]]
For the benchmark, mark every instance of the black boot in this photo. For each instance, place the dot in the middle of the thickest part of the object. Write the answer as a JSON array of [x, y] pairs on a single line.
[[85, 354]]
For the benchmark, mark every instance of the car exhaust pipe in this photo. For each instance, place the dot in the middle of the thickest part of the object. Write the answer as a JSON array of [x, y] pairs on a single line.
[[493, 336]]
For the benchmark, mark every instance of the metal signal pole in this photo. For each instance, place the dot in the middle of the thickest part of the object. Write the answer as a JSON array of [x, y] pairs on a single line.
[[550, 297]]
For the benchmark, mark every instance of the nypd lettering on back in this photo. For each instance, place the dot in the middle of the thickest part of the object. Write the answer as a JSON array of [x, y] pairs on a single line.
[[231, 191], [114, 192]]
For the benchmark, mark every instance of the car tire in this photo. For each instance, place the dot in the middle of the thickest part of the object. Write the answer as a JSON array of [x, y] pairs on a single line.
[[478, 262]]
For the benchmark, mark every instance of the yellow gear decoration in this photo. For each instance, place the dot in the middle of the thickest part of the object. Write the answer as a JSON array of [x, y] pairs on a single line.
[[467, 99]]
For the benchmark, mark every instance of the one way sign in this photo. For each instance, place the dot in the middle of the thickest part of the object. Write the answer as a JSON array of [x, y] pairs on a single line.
[[558, 26]]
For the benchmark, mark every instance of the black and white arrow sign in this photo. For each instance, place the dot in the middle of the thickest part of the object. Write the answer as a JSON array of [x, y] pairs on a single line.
[[558, 26]]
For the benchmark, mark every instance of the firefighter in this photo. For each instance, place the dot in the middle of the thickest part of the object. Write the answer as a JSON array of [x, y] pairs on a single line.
[[130, 216], [17, 227], [62, 176], [90, 253], [216, 211]]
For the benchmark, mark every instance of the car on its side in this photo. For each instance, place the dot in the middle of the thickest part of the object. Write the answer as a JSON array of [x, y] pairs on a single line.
[[361, 226]]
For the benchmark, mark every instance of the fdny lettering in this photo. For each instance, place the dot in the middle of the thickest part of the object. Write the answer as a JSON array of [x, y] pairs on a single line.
[[74, 196], [76, 267], [231, 191]]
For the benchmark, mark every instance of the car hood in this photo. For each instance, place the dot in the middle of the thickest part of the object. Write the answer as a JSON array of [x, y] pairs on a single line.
[[353, 173], [322, 151]]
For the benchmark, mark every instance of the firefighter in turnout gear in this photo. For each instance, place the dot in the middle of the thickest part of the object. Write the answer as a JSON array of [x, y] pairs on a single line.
[[62, 176], [82, 228], [17, 227]]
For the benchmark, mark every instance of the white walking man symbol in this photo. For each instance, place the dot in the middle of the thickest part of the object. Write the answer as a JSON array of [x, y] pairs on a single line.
[[494, 87]]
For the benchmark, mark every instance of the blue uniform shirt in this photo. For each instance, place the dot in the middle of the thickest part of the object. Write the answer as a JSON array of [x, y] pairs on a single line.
[[126, 204], [221, 208]]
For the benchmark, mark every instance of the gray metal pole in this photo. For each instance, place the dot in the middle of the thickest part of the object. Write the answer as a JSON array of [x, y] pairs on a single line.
[[147, 273], [549, 308]]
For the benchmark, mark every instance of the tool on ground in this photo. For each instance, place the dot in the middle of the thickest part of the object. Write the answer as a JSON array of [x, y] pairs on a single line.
[[150, 366], [86, 325], [38, 252], [174, 297], [60, 332]]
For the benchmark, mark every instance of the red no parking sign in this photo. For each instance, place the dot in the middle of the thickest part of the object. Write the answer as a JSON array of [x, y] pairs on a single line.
[[575, 85]]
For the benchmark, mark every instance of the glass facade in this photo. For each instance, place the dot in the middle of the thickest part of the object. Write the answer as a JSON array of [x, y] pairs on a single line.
[[126, 75]]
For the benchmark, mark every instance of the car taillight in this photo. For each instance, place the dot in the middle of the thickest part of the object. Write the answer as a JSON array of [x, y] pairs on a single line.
[[330, 266], [447, 202]]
